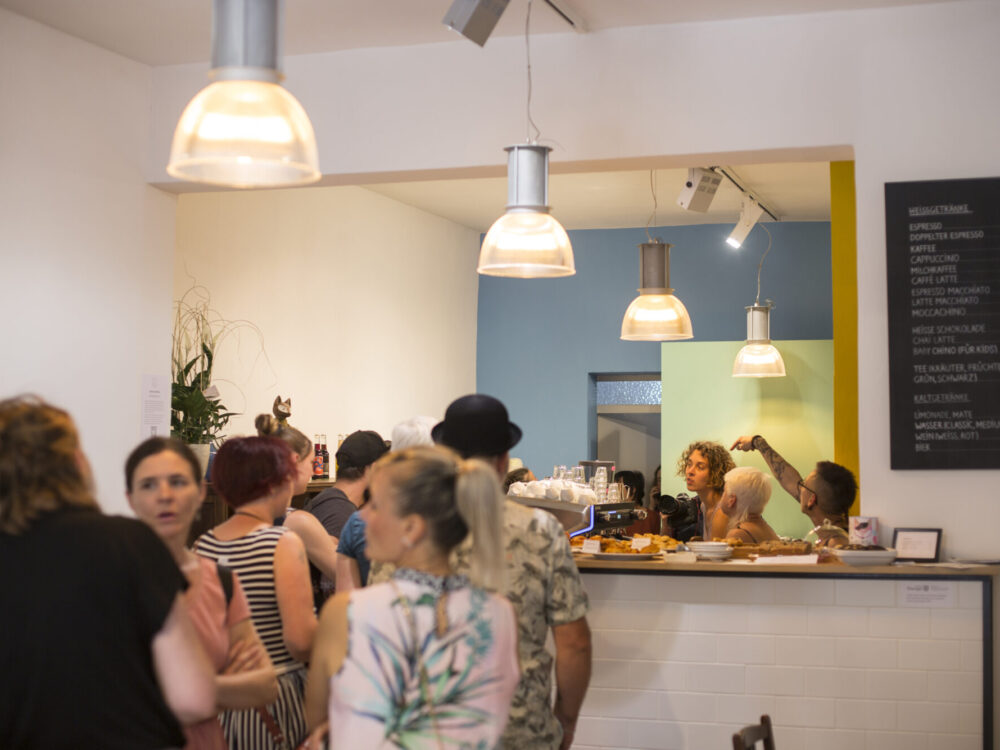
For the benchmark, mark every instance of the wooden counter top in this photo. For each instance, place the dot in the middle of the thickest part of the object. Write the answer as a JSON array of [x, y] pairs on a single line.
[[587, 564]]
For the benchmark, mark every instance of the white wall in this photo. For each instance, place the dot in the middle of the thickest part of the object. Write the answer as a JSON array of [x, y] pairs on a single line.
[[366, 306], [912, 89], [85, 243]]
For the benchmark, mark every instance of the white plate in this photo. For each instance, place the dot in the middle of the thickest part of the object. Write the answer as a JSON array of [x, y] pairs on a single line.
[[713, 557], [625, 555], [707, 546], [865, 556]]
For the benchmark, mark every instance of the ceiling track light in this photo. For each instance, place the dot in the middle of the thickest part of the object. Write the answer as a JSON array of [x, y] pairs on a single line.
[[759, 358], [244, 129], [656, 314], [749, 214], [527, 242]]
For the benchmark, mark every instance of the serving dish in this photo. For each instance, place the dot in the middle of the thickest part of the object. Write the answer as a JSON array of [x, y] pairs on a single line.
[[626, 555], [859, 557]]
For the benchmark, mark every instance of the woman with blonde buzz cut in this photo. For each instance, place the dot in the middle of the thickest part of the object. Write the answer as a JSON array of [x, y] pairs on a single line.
[[746, 493]]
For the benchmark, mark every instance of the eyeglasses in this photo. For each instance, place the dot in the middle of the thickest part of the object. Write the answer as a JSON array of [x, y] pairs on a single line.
[[802, 485]]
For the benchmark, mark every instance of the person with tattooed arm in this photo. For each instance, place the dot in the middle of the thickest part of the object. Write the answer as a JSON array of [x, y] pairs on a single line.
[[826, 493]]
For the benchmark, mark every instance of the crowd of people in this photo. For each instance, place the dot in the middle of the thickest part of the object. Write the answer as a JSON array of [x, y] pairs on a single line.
[[264, 634], [408, 606]]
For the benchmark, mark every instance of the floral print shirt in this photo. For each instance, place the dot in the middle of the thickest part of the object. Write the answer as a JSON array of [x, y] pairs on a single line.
[[431, 663], [544, 586]]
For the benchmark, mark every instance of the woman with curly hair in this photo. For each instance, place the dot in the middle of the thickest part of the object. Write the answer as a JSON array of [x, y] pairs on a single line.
[[704, 465], [98, 648]]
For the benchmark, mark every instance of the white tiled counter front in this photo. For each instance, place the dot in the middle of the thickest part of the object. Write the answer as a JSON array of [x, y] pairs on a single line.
[[682, 659]]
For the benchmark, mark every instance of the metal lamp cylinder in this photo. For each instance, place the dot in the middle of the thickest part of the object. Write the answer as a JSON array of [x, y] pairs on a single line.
[[654, 268], [246, 34], [758, 324], [528, 177]]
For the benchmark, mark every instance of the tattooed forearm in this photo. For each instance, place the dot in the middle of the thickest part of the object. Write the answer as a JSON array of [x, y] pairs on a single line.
[[784, 472]]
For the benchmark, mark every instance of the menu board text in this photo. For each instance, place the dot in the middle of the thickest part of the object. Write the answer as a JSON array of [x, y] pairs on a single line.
[[943, 262]]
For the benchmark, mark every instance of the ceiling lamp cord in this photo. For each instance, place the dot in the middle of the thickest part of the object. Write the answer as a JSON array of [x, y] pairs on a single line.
[[761, 264], [652, 216], [759, 358], [527, 56]]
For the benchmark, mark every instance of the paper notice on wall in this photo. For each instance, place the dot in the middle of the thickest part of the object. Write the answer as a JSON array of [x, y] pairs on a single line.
[[927, 594], [155, 410]]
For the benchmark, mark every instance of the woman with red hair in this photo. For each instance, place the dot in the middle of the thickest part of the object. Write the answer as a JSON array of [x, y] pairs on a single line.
[[256, 477]]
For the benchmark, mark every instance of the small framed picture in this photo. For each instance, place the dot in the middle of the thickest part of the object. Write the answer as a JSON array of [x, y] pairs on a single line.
[[917, 545]]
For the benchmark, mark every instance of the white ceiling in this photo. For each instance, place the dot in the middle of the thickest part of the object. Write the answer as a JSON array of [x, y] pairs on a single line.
[[165, 32]]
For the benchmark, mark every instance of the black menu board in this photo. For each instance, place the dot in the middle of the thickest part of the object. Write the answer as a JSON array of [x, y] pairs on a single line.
[[943, 257]]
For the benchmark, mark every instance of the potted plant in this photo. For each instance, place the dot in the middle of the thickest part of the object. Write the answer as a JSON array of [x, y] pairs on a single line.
[[197, 415]]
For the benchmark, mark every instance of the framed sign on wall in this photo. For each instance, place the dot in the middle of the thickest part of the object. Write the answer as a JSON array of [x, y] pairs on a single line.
[[943, 264]]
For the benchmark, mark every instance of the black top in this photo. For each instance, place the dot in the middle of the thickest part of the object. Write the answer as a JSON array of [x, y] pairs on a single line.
[[332, 508], [83, 596]]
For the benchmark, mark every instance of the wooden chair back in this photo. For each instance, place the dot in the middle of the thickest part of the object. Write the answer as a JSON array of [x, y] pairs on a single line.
[[748, 737]]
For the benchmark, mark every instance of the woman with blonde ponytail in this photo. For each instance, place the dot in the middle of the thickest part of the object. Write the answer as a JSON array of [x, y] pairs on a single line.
[[429, 658]]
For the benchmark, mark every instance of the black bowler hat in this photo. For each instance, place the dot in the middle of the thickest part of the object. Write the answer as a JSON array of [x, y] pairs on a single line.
[[477, 425]]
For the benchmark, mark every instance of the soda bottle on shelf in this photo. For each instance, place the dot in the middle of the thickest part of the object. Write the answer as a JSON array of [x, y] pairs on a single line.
[[326, 458], [318, 458]]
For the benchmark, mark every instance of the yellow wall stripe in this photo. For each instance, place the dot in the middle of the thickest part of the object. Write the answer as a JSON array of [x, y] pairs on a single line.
[[844, 248]]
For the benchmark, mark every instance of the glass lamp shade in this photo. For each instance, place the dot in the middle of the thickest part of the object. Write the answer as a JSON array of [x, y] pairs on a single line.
[[241, 133], [656, 317], [760, 360], [526, 245]]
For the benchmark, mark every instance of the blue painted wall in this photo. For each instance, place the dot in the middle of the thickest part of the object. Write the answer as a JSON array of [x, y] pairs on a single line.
[[539, 340]]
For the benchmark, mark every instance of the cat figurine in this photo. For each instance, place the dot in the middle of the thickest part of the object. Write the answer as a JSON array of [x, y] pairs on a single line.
[[282, 409]]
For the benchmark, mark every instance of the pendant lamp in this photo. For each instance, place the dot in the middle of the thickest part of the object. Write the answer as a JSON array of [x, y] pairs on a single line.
[[244, 129], [527, 241], [656, 314], [759, 358]]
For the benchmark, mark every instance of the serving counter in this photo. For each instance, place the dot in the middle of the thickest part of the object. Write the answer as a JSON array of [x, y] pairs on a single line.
[[896, 656]]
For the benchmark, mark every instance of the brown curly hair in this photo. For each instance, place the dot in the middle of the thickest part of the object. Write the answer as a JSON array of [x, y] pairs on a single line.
[[719, 461], [39, 472]]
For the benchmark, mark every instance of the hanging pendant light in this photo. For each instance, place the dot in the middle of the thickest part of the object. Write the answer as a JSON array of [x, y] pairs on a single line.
[[759, 358], [527, 241], [244, 129], [656, 314]]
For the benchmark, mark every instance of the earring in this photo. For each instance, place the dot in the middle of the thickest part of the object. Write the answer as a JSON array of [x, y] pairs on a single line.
[[406, 542]]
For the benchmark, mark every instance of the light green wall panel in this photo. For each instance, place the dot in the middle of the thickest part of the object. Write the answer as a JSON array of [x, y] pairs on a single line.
[[703, 401]]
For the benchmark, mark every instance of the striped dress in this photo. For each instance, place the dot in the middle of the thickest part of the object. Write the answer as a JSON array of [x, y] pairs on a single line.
[[251, 557]]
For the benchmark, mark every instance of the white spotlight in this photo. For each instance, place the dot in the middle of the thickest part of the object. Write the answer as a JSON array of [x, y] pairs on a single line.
[[748, 217]]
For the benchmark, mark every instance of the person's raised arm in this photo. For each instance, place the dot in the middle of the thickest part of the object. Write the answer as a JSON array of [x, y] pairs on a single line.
[[573, 654], [248, 679], [183, 671], [786, 474], [321, 548], [295, 599], [328, 655]]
